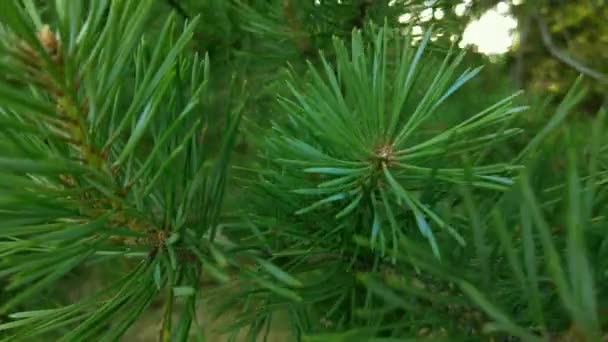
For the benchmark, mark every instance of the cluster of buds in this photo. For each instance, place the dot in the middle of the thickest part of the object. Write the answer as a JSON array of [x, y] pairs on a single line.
[[50, 42], [384, 155], [35, 64]]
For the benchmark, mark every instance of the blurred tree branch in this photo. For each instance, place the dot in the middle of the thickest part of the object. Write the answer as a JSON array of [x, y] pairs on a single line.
[[520, 58], [303, 42], [563, 56]]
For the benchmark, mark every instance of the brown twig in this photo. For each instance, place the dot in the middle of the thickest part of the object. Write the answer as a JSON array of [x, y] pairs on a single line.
[[520, 58], [303, 42]]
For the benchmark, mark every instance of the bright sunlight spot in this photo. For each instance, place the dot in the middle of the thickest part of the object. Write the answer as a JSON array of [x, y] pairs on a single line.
[[439, 14], [460, 9], [493, 33], [405, 18], [426, 15]]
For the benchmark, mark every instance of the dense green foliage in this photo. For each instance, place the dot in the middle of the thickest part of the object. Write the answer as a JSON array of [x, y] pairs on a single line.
[[306, 170]]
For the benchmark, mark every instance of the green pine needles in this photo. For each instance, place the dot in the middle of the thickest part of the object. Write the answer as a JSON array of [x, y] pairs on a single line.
[[384, 204], [356, 139], [103, 158]]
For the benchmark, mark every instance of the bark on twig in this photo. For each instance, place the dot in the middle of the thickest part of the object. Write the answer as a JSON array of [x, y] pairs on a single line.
[[302, 41]]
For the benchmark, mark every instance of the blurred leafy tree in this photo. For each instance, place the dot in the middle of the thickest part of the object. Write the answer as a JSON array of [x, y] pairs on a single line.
[[558, 40]]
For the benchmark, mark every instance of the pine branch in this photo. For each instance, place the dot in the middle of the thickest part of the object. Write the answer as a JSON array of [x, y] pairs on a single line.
[[361, 219], [76, 133], [76, 155]]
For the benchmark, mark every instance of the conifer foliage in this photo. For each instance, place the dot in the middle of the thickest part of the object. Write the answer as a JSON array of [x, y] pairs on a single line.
[[356, 130], [95, 122], [372, 210]]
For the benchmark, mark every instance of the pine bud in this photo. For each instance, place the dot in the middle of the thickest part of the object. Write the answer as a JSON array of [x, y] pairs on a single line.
[[50, 42]]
